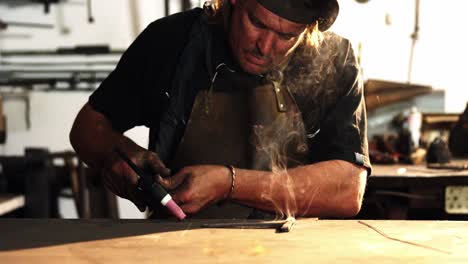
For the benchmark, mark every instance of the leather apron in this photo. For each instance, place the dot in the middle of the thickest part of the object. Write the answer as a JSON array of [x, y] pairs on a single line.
[[245, 121]]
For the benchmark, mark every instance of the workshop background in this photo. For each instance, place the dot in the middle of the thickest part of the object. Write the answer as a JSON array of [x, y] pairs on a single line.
[[52, 56]]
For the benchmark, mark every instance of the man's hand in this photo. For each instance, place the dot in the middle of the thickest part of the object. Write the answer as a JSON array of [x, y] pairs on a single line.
[[94, 140], [197, 187], [122, 180]]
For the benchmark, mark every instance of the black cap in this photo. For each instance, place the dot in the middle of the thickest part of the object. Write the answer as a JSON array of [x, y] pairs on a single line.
[[305, 11]]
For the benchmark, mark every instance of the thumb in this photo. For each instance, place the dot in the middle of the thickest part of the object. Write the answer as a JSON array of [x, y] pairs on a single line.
[[171, 183]]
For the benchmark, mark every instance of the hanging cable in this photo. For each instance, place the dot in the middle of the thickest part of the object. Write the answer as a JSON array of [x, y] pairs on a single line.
[[90, 12], [414, 38], [166, 8], [47, 6]]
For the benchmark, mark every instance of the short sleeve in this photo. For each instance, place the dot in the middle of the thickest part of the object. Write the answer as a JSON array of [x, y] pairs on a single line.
[[120, 95], [343, 131], [137, 91]]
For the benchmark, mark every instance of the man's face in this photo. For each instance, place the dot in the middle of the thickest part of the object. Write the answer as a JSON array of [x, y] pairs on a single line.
[[259, 39]]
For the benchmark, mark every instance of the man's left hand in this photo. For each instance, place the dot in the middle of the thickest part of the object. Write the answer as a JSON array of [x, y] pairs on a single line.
[[197, 187]]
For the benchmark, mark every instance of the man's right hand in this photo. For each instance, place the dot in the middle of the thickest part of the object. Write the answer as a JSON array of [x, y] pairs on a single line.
[[94, 140], [119, 178]]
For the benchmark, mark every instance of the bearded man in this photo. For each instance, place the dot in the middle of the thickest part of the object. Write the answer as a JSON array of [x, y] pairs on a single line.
[[254, 109]]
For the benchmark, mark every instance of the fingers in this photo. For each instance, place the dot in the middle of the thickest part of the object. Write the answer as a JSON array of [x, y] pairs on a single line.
[[156, 166], [110, 183], [132, 192], [171, 183], [187, 199], [181, 196], [190, 208], [125, 187], [122, 180]]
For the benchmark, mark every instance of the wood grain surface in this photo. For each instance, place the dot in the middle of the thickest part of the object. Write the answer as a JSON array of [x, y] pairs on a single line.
[[311, 241]]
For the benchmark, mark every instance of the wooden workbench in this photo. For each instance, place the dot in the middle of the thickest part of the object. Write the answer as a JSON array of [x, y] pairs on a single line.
[[403, 175], [403, 191], [311, 241]]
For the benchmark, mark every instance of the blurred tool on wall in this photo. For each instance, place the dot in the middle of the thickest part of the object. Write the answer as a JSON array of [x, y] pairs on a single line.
[[415, 137], [438, 152], [414, 126]]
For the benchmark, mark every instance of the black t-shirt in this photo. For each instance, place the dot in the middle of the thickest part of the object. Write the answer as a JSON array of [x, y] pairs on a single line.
[[146, 88]]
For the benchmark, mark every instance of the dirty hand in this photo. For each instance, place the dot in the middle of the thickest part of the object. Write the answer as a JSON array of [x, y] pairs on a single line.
[[197, 187], [120, 179]]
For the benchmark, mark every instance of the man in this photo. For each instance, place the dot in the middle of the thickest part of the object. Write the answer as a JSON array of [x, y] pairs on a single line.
[[253, 84]]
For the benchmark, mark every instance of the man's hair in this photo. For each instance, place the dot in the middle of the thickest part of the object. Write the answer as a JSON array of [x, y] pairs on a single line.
[[313, 37]]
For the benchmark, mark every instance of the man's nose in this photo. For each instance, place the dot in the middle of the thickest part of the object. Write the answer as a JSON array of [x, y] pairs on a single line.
[[265, 43]]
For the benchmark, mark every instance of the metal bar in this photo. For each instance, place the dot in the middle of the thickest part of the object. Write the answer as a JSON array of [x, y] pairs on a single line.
[[13, 35], [31, 81], [27, 84], [54, 53], [71, 71], [65, 90], [247, 225], [27, 24], [68, 63]]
